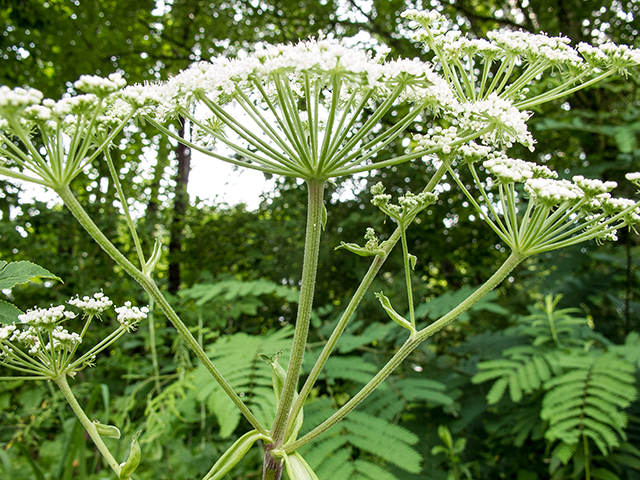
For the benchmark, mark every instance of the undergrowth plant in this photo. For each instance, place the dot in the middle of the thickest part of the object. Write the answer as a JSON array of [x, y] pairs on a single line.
[[315, 111]]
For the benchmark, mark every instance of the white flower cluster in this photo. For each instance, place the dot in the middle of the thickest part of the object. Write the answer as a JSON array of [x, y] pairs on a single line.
[[100, 86], [220, 79], [129, 316], [610, 55], [510, 170], [45, 316], [593, 187], [472, 152], [12, 101], [92, 305], [509, 124], [555, 50], [551, 192], [63, 340]]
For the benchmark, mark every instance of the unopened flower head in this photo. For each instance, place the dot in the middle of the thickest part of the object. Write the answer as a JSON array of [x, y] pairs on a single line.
[[92, 305], [409, 205]]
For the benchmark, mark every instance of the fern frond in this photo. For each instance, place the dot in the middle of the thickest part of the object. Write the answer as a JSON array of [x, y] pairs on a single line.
[[588, 400], [370, 471], [350, 367], [236, 357], [390, 443], [523, 373]]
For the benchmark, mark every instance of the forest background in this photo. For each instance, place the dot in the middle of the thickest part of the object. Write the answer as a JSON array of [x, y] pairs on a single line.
[[233, 273]]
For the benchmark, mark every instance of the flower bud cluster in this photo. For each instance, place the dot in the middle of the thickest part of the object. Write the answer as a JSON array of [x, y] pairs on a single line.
[[409, 205], [129, 316], [610, 55], [92, 305], [551, 192], [441, 139]]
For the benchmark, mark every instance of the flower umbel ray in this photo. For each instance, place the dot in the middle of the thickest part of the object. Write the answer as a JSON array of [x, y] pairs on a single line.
[[533, 212], [310, 110]]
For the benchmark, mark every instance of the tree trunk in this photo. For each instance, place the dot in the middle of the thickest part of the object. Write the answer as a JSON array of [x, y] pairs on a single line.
[[180, 204]]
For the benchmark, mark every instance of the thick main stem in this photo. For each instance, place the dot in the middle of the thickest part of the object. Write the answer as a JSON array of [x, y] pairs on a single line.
[[61, 381], [307, 290], [152, 289]]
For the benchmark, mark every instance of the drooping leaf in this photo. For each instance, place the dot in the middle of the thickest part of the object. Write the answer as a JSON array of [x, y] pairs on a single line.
[[16, 273]]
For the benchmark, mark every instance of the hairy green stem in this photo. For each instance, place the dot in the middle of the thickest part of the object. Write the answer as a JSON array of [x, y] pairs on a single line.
[[307, 290], [409, 346], [61, 381], [366, 282], [152, 289]]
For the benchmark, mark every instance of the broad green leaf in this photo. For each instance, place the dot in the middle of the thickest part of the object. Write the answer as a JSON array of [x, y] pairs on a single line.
[[16, 273], [9, 312]]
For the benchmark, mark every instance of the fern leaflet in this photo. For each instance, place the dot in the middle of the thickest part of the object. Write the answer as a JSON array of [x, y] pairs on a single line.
[[588, 400]]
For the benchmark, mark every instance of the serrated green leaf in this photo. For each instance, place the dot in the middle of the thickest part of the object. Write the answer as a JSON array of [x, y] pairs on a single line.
[[16, 273], [9, 312]]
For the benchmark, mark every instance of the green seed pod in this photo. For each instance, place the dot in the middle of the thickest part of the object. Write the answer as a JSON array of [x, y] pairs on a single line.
[[231, 457], [297, 468], [127, 469], [106, 430]]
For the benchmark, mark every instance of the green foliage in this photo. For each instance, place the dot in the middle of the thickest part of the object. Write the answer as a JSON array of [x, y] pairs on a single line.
[[237, 357], [330, 456], [523, 371], [588, 399], [17, 273]]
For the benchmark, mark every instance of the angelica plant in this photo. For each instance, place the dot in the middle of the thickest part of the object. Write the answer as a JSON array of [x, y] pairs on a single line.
[[38, 347], [314, 111]]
